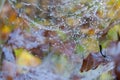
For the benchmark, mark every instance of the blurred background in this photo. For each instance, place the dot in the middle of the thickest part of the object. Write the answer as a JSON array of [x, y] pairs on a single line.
[[59, 38]]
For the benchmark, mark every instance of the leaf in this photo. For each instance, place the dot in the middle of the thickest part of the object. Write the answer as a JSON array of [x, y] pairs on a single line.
[[106, 76], [91, 32], [25, 58], [92, 61], [5, 31], [18, 52], [37, 52], [79, 49], [112, 33], [62, 35], [90, 44], [41, 51]]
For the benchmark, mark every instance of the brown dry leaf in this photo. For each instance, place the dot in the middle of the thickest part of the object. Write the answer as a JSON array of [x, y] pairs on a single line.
[[92, 61], [37, 51]]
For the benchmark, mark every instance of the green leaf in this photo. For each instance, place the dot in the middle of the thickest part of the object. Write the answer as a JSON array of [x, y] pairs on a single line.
[[112, 34], [18, 51], [105, 43], [62, 35], [79, 49]]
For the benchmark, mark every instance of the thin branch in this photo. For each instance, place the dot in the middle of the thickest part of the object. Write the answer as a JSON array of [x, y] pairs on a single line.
[[100, 47]]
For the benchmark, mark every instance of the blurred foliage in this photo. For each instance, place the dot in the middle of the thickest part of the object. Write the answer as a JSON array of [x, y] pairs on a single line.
[[68, 29]]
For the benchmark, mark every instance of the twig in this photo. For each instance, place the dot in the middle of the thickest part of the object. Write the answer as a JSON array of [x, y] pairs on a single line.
[[101, 51]]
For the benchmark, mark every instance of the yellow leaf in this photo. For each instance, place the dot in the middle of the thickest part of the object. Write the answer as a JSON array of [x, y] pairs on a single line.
[[106, 76], [25, 58], [90, 44], [5, 29]]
